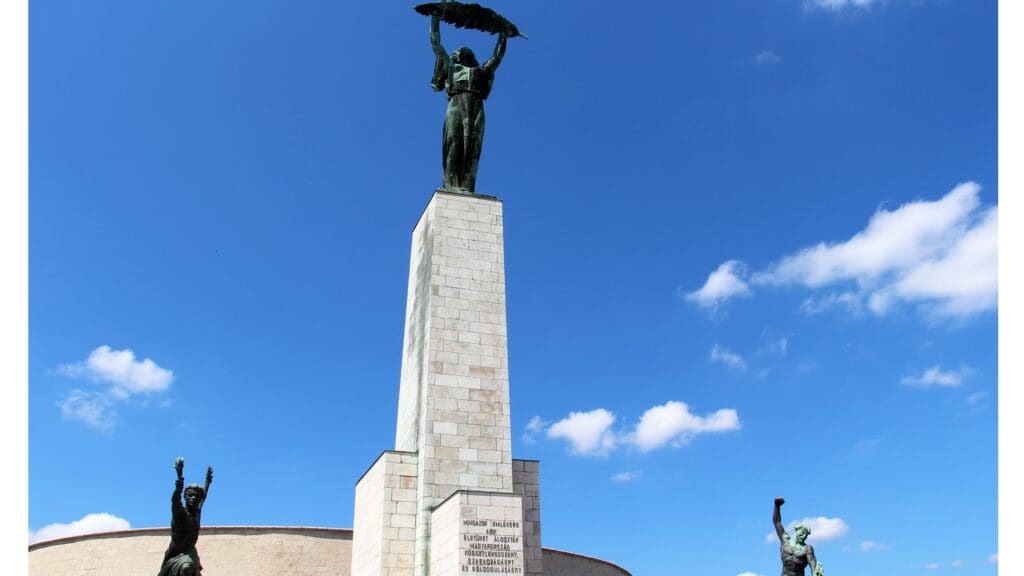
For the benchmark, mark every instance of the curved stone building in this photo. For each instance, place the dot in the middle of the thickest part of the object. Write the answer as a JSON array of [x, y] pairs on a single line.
[[242, 551]]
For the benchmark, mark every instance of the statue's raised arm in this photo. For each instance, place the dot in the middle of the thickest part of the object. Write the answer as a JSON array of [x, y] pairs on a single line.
[[209, 480], [179, 485], [499, 52], [796, 553], [777, 520]]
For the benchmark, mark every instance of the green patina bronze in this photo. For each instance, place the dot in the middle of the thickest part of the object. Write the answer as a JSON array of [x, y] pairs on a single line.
[[466, 84], [797, 554]]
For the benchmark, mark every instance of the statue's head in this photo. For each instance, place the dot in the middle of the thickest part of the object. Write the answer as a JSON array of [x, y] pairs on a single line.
[[801, 531], [465, 57], [194, 495]]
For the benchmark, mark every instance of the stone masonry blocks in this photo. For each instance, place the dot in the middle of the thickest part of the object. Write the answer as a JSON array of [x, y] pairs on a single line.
[[453, 397], [385, 517]]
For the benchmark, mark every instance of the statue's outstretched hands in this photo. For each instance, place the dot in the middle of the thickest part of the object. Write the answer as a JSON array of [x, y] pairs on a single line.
[[179, 465], [780, 501], [209, 474]]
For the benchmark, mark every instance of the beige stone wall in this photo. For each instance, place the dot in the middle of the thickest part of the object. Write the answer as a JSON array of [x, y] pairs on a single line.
[[385, 517], [558, 563], [526, 483], [241, 551], [224, 551]]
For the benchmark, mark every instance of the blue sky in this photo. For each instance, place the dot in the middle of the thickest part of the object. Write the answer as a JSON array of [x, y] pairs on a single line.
[[750, 252]]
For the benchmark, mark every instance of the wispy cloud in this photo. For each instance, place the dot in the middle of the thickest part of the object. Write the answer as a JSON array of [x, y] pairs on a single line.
[[939, 256], [778, 347], [850, 301], [976, 398], [670, 424], [123, 376], [767, 57], [725, 356], [90, 408], [993, 558], [936, 376], [749, 574], [838, 5], [862, 447], [957, 563], [931, 566], [88, 524], [722, 285], [628, 476], [822, 529], [534, 428], [872, 546]]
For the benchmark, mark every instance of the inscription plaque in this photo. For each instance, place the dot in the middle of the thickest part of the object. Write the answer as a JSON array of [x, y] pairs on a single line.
[[491, 547]]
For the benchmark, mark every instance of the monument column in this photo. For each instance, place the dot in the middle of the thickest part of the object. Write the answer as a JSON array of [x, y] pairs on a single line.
[[453, 407], [450, 499]]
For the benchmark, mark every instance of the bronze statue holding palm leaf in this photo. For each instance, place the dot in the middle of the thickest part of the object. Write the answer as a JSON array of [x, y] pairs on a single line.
[[466, 84]]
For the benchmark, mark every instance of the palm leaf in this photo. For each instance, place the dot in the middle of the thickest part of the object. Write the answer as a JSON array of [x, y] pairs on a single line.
[[471, 16]]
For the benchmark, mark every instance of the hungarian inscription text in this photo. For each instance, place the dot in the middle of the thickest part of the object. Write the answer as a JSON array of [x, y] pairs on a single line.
[[492, 547]]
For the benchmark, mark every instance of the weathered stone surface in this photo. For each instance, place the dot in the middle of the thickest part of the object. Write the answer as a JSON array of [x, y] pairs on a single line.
[[385, 516], [474, 532]]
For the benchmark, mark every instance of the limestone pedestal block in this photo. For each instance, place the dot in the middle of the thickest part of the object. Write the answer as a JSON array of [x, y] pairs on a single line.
[[384, 527], [526, 483], [476, 532]]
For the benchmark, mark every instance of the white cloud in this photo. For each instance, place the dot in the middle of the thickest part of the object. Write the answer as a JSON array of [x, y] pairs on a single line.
[[673, 423], [935, 376], [628, 476], [822, 529], [767, 57], [723, 284], [727, 357], [126, 377], [589, 433], [939, 256], [993, 558], [960, 282], [892, 241], [91, 408], [932, 566], [749, 574], [88, 524], [838, 5], [872, 546], [957, 563], [122, 371]]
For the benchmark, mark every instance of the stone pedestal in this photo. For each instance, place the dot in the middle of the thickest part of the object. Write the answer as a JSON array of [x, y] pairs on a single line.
[[453, 407], [477, 532]]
